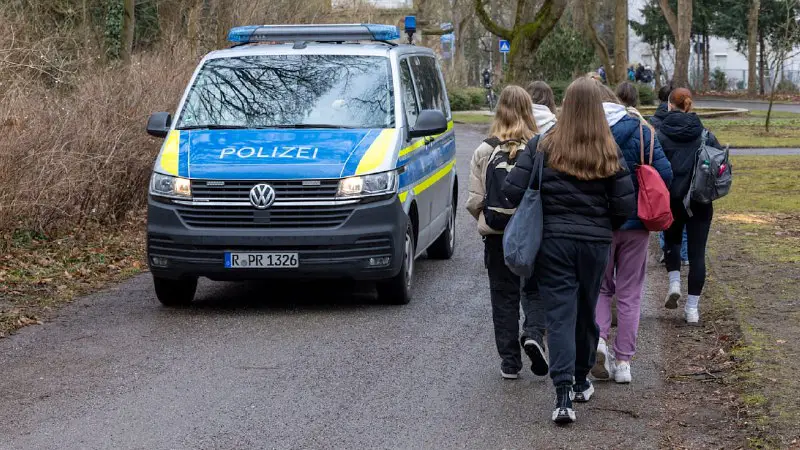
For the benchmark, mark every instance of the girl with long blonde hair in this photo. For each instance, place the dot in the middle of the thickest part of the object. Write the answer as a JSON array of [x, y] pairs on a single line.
[[511, 131], [586, 193]]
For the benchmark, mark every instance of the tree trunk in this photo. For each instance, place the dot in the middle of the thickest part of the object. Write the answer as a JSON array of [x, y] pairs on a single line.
[[128, 28], [752, 44], [620, 40], [681, 26], [763, 64], [657, 54], [706, 64]]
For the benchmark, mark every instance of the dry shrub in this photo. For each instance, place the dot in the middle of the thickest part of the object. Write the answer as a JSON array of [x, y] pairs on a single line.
[[74, 147], [69, 158]]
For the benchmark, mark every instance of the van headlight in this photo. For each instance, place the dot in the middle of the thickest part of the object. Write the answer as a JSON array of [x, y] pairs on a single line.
[[169, 186], [368, 185]]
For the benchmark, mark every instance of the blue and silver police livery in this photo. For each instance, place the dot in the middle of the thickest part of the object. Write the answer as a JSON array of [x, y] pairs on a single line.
[[313, 151]]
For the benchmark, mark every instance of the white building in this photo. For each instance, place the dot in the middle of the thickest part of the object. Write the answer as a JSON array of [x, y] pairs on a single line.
[[723, 55]]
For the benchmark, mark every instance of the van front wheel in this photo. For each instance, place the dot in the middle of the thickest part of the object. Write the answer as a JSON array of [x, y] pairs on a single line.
[[444, 246], [397, 290], [175, 293]]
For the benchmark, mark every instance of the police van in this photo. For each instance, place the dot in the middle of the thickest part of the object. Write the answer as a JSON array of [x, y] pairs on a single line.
[[304, 151]]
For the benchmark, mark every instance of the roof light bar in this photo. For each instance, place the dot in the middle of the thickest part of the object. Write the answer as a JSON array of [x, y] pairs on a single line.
[[316, 33]]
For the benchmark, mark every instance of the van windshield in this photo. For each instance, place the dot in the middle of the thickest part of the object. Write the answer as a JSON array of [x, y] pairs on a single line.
[[291, 91]]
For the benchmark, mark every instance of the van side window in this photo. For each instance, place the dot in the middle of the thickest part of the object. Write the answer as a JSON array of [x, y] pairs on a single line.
[[429, 84], [409, 97]]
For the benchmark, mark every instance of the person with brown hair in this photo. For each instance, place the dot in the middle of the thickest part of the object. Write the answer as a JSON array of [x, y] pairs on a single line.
[[628, 96], [586, 194], [512, 129], [681, 136]]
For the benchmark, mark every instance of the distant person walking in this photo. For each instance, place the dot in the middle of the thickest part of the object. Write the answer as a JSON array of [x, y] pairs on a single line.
[[513, 127], [586, 194], [681, 135]]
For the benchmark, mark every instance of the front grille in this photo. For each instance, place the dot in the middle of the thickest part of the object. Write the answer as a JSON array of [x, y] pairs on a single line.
[[238, 213], [362, 249], [239, 191], [303, 216]]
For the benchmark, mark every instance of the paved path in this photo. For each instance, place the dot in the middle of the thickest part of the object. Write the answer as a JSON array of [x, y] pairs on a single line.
[[305, 366], [765, 151], [747, 104]]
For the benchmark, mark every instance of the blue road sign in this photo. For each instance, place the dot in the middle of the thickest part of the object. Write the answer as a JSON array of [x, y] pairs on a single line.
[[505, 46]]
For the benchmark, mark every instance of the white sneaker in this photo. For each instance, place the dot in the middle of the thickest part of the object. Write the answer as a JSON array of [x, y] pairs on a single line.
[[509, 375], [673, 296], [603, 369], [692, 315], [622, 372]]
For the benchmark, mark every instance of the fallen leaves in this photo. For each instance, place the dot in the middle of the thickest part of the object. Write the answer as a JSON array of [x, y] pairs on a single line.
[[39, 274]]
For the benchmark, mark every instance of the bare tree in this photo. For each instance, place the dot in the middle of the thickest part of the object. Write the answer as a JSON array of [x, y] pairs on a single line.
[[752, 46], [128, 28], [620, 39], [524, 35], [783, 48], [600, 47], [681, 27]]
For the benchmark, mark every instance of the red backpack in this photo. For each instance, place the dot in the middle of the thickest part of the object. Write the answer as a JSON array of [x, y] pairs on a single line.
[[653, 206]]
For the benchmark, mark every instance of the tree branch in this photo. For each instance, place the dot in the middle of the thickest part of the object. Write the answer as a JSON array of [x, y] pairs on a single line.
[[489, 24], [669, 14], [599, 46]]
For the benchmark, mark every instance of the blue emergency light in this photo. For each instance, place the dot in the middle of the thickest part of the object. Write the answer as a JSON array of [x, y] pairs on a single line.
[[313, 33]]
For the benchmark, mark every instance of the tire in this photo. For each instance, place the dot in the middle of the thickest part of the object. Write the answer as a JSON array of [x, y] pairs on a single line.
[[397, 290], [444, 246], [175, 293]]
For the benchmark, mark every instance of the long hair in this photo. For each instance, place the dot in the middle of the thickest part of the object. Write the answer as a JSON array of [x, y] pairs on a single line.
[[581, 143], [607, 95], [513, 118], [542, 94]]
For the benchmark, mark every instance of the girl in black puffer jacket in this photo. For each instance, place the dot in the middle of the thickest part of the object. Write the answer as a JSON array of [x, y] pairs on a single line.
[[586, 194], [680, 135]]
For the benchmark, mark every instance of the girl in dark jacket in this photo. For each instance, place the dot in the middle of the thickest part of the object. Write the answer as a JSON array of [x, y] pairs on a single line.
[[627, 263], [680, 135], [586, 194]]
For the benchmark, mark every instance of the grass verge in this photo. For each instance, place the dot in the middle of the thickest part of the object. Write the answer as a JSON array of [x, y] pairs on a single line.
[[38, 274], [744, 132], [755, 253]]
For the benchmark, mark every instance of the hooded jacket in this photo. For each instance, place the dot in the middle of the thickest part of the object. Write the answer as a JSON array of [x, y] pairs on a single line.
[[680, 135], [545, 119], [584, 210], [658, 117], [625, 129]]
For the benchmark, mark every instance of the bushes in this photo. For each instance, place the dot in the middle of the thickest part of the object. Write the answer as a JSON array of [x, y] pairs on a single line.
[[466, 99], [719, 80], [647, 96]]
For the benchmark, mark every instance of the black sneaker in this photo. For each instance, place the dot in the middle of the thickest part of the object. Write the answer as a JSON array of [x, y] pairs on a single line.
[[583, 391], [563, 412], [534, 348]]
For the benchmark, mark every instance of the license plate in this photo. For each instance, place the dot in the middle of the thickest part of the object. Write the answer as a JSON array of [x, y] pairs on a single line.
[[260, 260]]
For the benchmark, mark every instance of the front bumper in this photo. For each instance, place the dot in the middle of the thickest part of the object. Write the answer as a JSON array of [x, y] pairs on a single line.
[[372, 230]]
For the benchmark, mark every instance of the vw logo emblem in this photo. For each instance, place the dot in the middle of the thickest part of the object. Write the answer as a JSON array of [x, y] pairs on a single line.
[[262, 196]]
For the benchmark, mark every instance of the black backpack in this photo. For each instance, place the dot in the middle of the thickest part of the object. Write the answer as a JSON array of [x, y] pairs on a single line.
[[497, 210]]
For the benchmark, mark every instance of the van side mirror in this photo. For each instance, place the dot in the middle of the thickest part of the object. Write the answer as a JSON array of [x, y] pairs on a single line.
[[429, 123], [158, 124]]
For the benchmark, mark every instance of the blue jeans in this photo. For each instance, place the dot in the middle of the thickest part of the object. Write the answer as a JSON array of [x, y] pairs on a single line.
[[684, 250]]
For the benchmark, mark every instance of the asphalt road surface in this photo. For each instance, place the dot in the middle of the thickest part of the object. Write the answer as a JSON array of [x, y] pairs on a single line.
[[310, 365]]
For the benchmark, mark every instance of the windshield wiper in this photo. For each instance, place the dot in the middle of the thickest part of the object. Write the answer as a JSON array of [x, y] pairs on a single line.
[[213, 126], [307, 125]]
